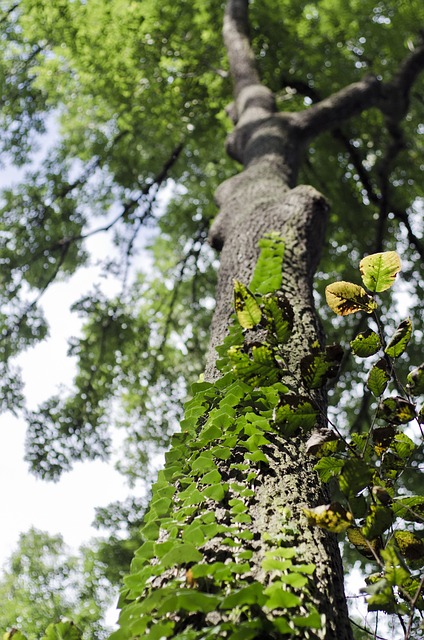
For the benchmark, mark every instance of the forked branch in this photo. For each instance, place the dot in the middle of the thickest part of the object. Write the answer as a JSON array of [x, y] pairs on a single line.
[[391, 98]]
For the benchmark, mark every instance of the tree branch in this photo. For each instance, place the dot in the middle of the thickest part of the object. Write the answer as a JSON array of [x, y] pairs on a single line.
[[392, 98], [375, 197], [236, 39], [8, 12], [252, 98]]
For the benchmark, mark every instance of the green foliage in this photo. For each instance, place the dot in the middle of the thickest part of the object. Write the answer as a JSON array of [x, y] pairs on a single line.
[[246, 308], [43, 585], [367, 468], [233, 419]]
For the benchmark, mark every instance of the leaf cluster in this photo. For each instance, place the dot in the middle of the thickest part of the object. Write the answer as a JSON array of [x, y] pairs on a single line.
[[378, 520]]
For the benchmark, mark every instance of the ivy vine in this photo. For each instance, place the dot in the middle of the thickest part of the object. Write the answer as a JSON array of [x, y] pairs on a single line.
[[179, 586]]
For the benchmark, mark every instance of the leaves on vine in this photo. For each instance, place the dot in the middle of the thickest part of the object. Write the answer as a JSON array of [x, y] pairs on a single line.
[[247, 309], [279, 316], [320, 365], [345, 298], [267, 275], [400, 339], [366, 343], [379, 270], [261, 368], [332, 517], [294, 412], [415, 381], [378, 377]]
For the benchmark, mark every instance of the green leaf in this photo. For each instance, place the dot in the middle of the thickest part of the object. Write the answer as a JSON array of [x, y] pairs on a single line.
[[318, 366], [332, 517], [247, 630], [294, 413], [379, 270], [62, 631], [280, 316], [410, 509], [415, 381], [329, 467], [312, 621], [368, 548], [182, 553], [378, 520], [189, 600], [294, 579], [282, 625], [280, 598], [378, 377], [247, 309], [212, 477], [216, 491], [396, 410], [267, 275], [261, 369], [276, 564], [252, 594], [400, 339], [355, 476], [13, 634], [411, 547], [204, 462], [365, 344], [161, 630], [345, 298], [403, 446]]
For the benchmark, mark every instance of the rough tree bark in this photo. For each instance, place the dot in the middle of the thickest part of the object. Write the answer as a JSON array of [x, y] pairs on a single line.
[[264, 198]]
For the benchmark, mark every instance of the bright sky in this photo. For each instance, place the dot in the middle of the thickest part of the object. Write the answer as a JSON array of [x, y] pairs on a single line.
[[68, 506]]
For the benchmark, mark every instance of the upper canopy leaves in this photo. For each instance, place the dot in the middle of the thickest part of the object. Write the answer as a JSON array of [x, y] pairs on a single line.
[[137, 93]]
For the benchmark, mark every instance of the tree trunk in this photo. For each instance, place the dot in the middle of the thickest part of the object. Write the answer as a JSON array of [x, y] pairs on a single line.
[[255, 202]]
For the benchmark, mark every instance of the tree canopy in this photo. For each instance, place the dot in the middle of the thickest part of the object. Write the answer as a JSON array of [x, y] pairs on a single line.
[[136, 97]]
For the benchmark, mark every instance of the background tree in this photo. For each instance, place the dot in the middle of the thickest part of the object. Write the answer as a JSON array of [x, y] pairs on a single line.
[[155, 90], [43, 583]]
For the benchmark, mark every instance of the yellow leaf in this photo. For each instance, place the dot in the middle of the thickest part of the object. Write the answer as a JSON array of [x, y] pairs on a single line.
[[332, 517], [345, 297]]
